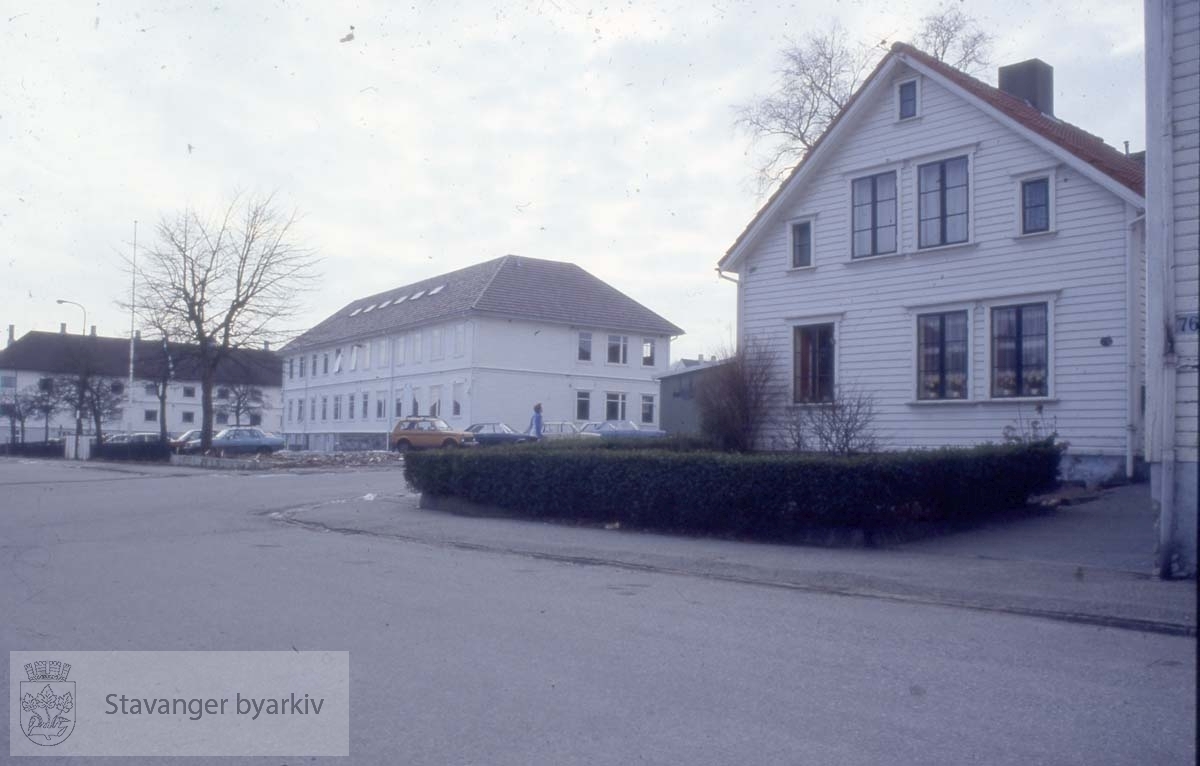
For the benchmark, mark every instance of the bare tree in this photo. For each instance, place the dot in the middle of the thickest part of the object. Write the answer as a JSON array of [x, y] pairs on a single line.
[[733, 396], [955, 38], [845, 426], [45, 400], [93, 397], [243, 401], [223, 283], [17, 408], [819, 74]]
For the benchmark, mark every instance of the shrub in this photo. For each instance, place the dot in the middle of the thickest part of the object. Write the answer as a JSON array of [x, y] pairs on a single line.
[[33, 449], [149, 452], [762, 496]]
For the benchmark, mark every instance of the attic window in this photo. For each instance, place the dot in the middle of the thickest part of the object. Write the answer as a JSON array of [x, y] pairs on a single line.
[[907, 96], [417, 294], [437, 289], [369, 309], [355, 312]]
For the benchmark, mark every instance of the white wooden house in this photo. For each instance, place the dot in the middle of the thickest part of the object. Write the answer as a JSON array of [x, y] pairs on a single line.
[[484, 343], [962, 256], [1173, 274]]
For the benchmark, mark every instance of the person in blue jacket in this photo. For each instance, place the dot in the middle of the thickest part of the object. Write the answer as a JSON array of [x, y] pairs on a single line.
[[535, 422]]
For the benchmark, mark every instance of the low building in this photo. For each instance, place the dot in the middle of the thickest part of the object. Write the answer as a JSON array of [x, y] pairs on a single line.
[[677, 390], [484, 343], [247, 382]]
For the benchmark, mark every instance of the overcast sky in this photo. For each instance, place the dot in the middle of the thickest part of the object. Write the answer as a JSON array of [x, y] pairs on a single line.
[[443, 134]]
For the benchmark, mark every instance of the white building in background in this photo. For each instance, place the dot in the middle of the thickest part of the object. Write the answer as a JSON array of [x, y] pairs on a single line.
[[1173, 274], [484, 343], [36, 356], [964, 257]]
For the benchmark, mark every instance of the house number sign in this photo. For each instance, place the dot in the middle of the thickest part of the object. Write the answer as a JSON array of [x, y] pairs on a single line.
[[1187, 323]]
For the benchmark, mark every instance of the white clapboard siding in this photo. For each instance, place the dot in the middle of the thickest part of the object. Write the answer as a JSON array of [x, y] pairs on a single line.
[[1185, 73], [1082, 265]]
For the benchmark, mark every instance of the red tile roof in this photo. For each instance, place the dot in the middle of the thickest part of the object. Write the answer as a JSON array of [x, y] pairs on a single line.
[[1127, 171], [1091, 149]]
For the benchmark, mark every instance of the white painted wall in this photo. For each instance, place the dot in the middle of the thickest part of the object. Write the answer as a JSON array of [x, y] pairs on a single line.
[[1080, 269], [178, 407], [501, 367]]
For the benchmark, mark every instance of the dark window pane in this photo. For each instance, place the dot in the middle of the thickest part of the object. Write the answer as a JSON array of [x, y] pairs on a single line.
[[801, 244], [908, 100]]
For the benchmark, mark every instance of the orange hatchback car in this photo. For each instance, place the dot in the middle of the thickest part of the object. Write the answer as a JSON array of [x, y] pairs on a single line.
[[426, 433]]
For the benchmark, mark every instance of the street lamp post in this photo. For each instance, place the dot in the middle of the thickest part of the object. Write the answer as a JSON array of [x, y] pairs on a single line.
[[78, 412]]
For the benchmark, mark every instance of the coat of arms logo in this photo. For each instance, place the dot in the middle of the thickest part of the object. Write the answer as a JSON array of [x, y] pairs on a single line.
[[47, 700]]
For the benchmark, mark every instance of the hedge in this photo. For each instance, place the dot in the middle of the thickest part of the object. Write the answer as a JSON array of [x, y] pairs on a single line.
[[33, 449], [150, 452], [756, 495]]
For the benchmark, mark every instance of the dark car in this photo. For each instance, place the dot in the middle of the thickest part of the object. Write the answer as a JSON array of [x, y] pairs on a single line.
[[179, 444], [622, 428], [241, 441], [492, 434]]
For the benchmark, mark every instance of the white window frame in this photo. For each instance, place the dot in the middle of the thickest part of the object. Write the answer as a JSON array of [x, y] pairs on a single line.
[[622, 404], [811, 220], [149, 416], [896, 96], [1017, 300], [653, 352], [915, 192], [850, 178], [805, 321], [381, 405], [916, 198], [437, 344], [591, 346], [1019, 203], [585, 396], [460, 339], [624, 349], [648, 399], [416, 344], [916, 312]]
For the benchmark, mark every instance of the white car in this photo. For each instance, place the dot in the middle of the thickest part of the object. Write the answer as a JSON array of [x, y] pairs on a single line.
[[564, 429]]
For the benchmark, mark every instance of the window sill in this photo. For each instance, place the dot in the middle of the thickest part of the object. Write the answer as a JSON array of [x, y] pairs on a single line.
[[795, 269], [906, 120], [1035, 235], [940, 402], [910, 253], [1020, 400]]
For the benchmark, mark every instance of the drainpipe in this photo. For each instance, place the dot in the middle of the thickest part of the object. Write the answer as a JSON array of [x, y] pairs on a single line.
[[1132, 346]]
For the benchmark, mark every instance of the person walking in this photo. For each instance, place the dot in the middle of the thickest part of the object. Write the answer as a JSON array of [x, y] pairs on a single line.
[[535, 422]]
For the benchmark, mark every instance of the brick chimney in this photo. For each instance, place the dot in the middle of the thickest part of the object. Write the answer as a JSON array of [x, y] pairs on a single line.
[[12, 335], [137, 334], [1031, 81], [93, 331], [62, 328], [266, 345]]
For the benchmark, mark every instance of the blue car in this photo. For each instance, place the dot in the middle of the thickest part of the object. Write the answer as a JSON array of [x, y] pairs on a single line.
[[240, 441], [622, 428]]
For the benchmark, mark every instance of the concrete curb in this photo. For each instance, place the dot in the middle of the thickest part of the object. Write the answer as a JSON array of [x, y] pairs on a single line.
[[220, 463]]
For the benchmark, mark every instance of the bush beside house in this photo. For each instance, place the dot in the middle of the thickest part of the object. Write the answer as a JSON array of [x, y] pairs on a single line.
[[775, 497]]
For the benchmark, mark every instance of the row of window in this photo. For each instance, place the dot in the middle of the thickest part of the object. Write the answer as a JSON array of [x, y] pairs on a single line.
[[1018, 367], [615, 406], [189, 417], [409, 348], [617, 349], [943, 211]]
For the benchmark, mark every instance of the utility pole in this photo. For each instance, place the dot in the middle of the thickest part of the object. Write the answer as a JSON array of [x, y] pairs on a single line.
[[132, 313]]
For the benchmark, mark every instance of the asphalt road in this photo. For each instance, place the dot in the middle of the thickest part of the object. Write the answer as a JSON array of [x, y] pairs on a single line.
[[467, 656]]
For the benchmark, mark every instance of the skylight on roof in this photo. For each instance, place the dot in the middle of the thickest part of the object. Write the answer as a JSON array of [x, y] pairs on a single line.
[[400, 300], [417, 294], [437, 289], [384, 304], [369, 309], [355, 312]]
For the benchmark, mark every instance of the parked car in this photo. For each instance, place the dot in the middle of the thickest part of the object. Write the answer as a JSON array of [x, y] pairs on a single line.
[[240, 441], [492, 434], [428, 432], [622, 428], [179, 443], [565, 429], [140, 437]]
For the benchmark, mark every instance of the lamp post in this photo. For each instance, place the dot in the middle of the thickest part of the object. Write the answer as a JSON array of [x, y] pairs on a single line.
[[78, 412]]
